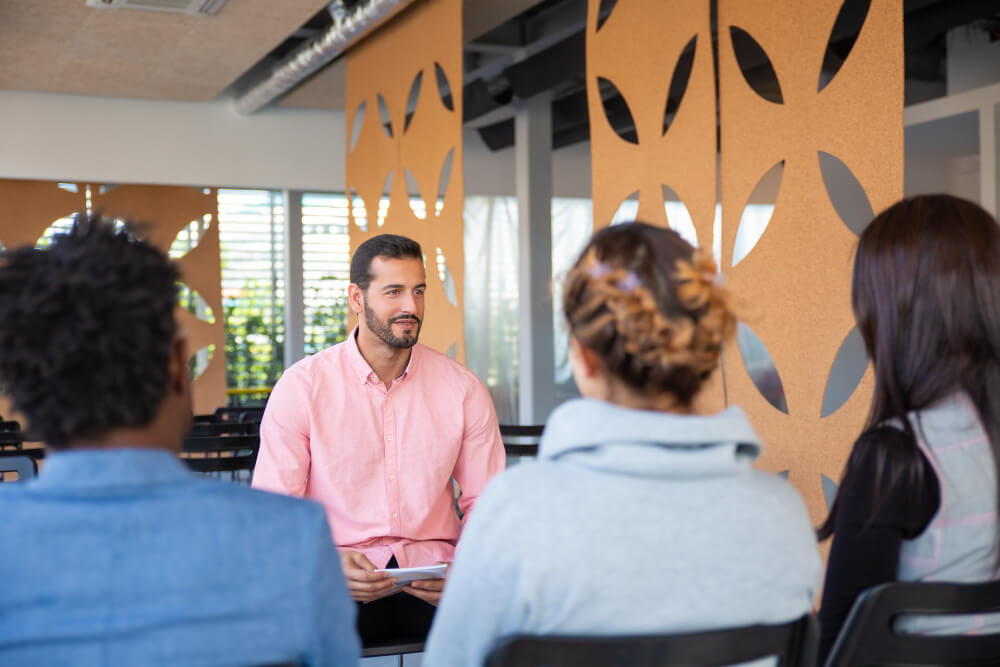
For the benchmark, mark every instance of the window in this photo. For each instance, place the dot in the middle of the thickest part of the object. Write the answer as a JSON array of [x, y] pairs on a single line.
[[326, 256], [251, 224]]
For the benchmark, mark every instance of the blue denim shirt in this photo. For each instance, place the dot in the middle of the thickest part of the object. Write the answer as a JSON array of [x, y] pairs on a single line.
[[123, 557]]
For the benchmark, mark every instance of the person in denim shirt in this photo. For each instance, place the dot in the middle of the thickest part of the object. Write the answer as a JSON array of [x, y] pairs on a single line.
[[117, 554]]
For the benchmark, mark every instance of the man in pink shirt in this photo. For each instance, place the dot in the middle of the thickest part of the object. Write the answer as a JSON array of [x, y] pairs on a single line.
[[375, 428]]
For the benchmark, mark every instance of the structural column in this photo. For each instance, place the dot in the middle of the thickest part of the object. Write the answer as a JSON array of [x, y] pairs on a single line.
[[295, 322], [533, 169]]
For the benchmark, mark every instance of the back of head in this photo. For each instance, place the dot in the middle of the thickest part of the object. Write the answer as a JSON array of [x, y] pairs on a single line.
[[926, 300], [651, 307], [86, 329]]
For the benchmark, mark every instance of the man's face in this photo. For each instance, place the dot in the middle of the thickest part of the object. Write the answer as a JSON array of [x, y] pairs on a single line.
[[394, 301]]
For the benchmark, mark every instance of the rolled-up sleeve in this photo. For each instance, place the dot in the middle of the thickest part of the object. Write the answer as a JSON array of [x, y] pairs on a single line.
[[284, 459], [482, 453]]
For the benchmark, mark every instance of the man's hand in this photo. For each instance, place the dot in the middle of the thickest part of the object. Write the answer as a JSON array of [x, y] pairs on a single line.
[[428, 590], [363, 581]]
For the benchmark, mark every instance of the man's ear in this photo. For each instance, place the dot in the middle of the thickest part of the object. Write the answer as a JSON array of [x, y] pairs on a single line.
[[355, 297], [180, 375]]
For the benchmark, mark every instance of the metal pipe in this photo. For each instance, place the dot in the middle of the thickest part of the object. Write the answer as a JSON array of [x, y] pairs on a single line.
[[347, 29]]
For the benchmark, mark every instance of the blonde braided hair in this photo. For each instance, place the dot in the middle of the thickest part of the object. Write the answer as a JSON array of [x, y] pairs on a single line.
[[654, 328]]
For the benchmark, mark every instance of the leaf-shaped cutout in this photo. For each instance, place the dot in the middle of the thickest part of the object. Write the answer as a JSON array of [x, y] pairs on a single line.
[[443, 182], [755, 66], [453, 350], [845, 375], [417, 204], [784, 474], [760, 367], [383, 112], [444, 87], [604, 12], [616, 111], [412, 99], [188, 238], [756, 215], [829, 491], [200, 360], [444, 273], [356, 124], [356, 210], [383, 203], [679, 82], [627, 210], [68, 187], [58, 227], [678, 216], [846, 29], [849, 199], [189, 299], [105, 188]]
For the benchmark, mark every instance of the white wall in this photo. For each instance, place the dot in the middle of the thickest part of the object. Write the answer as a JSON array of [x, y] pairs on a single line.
[[973, 60], [113, 140]]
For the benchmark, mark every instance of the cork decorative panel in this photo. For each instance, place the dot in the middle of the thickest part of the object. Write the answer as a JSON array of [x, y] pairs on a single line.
[[795, 276], [651, 62], [184, 221], [405, 130]]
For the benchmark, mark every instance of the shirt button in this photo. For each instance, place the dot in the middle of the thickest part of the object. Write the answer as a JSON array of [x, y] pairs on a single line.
[[395, 516], [392, 477], [388, 437]]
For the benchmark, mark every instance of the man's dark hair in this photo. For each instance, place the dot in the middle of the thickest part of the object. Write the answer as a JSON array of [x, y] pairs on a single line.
[[383, 245], [86, 328]]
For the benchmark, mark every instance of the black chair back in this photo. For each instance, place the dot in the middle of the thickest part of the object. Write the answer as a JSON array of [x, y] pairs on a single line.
[[24, 466], [793, 643], [520, 441], [225, 450], [868, 637]]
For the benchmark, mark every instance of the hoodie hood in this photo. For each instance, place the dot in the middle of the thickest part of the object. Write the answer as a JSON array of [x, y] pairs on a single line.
[[646, 443]]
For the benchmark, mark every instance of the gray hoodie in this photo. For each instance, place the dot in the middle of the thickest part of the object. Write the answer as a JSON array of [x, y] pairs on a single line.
[[629, 522]]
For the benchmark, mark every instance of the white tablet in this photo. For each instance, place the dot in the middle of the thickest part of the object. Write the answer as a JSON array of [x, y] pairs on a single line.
[[404, 575]]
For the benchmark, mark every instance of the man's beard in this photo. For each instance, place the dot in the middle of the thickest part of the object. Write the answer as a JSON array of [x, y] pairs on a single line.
[[384, 329]]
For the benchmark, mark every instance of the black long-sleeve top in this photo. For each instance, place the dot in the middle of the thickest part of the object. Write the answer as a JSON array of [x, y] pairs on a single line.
[[865, 549]]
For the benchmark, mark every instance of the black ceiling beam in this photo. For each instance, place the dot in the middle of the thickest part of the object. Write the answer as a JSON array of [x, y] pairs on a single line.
[[924, 26], [548, 68]]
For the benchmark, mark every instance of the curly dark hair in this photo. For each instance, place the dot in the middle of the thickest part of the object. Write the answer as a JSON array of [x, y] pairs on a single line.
[[86, 328]]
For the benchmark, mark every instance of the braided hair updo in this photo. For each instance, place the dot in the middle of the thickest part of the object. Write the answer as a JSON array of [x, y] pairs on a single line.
[[651, 307]]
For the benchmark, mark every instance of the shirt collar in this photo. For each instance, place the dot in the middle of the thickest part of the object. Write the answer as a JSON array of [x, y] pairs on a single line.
[[361, 368], [104, 468]]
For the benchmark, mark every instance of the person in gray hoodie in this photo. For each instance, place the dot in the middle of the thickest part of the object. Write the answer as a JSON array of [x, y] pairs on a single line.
[[639, 516]]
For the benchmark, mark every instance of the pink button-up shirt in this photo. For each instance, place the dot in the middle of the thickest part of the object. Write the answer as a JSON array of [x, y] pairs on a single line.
[[379, 461]]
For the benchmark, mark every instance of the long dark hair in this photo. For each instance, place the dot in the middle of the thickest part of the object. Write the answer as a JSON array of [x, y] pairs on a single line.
[[926, 296]]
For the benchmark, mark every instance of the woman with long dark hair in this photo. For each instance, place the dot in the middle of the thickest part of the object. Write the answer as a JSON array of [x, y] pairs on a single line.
[[918, 498], [639, 516]]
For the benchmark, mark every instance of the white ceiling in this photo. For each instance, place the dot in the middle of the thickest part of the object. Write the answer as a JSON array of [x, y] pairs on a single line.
[[65, 46]]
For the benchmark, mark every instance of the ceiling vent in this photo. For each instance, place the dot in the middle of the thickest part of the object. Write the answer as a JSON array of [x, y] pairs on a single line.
[[188, 7]]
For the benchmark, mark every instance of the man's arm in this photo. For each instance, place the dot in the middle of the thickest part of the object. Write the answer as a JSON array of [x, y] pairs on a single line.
[[283, 460], [482, 455]]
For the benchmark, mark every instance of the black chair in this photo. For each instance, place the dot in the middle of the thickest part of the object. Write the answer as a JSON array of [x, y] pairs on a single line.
[[238, 413], [868, 637], [520, 441], [223, 429], [223, 456], [24, 466], [391, 649], [793, 643]]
